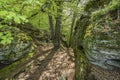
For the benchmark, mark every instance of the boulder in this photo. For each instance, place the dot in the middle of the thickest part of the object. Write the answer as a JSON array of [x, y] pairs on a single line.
[[16, 56], [102, 44], [18, 48]]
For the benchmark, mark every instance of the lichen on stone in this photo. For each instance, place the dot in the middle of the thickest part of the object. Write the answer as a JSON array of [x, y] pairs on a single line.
[[19, 47], [15, 54]]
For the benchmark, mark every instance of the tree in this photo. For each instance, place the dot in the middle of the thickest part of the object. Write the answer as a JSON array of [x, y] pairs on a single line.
[[55, 24], [58, 25]]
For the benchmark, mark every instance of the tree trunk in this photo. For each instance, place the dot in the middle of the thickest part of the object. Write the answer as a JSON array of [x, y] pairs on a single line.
[[71, 30], [51, 27], [58, 25]]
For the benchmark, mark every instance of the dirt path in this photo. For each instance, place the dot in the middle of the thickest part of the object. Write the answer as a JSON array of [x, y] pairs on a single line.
[[54, 65]]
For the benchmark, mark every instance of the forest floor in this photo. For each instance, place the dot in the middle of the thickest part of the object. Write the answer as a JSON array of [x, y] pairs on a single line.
[[53, 65]]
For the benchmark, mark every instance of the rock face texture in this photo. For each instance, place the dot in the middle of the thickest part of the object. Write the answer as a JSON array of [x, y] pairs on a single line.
[[15, 56], [97, 35], [102, 46], [19, 47]]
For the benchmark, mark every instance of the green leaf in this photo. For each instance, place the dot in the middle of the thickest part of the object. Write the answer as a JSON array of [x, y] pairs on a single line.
[[3, 13], [1, 34], [3, 42], [1, 26], [17, 19]]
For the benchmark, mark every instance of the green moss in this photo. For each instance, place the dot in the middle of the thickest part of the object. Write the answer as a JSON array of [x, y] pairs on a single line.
[[5, 72], [88, 31], [23, 37], [81, 65], [98, 25], [98, 13], [40, 21]]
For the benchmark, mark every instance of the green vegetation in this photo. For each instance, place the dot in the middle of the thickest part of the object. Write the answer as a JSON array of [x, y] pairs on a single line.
[[5, 37], [90, 27], [9, 71]]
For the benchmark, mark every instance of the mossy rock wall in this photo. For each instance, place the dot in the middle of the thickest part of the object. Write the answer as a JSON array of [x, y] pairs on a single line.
[[19, 46], [15, 55], [11, 70], [101, 43], [96, 37]]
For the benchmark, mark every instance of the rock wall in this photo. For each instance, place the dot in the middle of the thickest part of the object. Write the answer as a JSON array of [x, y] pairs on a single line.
[[97, 34], [14, 55]]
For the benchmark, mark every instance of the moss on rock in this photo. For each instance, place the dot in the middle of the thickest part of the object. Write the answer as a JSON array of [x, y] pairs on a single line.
[[19, 46], [17, 54], [96, 37], [12, 69]]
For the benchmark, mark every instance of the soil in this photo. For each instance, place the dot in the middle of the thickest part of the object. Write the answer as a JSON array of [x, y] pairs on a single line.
[[103, 74], [54, 65]]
